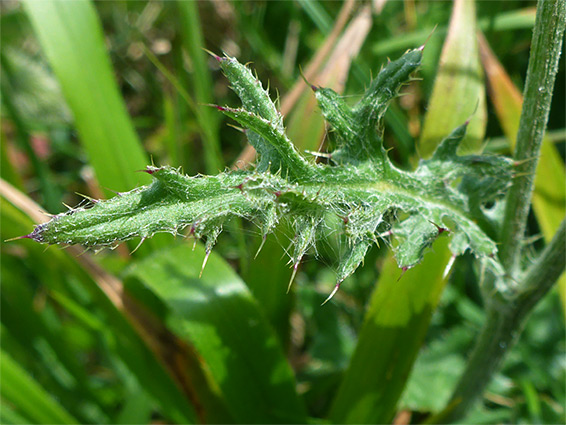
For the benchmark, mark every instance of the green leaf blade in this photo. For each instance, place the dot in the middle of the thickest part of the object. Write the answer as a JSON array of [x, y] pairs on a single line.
[[72, 39], [393, 330], [219, 316], [459, 92], [28, 396]]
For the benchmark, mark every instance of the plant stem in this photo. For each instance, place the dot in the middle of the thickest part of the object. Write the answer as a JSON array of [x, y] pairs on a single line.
[[543, 65], [504, 322], [542, 275], [508, 307]]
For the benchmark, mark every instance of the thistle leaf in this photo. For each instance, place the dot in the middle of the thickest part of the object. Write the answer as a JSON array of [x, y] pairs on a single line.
[[446, 194], [256, 103]]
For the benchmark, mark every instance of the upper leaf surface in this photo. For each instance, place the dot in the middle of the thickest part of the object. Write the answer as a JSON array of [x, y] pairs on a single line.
[[374, 199]]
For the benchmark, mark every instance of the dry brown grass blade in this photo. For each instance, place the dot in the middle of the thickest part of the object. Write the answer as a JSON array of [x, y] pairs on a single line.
[[319, 58], [336, 70]]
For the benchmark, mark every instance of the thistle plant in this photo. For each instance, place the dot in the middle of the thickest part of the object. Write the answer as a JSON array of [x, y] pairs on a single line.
[[360, 188]]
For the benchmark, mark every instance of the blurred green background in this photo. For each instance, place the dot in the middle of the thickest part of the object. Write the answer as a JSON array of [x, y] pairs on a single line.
[[93, 91]]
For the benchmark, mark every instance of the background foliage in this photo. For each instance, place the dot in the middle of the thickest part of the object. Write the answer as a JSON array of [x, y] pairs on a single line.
[[92, 92]]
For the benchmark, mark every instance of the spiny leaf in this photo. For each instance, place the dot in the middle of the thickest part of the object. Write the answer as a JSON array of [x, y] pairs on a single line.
[[256, 102], [274, 143], [358, 137], [446, 194]]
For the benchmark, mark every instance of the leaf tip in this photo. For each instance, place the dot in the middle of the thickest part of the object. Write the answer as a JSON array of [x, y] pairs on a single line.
[[35, 235], [263, 239], [214, 55], [138, 245], [421, 48], [295, 267], [29, 236], [149, 170], [403, 271], [336, 288], [207, 254]]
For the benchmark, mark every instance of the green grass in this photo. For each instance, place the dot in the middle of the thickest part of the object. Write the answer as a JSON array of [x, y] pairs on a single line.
[[119, 338]]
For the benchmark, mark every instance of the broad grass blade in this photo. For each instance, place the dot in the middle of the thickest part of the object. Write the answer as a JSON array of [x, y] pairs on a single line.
[[28, 397], [119, 324], [218, 316], [393, 331], [72, 39]]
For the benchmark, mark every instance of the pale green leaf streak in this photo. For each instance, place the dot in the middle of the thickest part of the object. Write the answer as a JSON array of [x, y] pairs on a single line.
[[27, 396], [459, 86]]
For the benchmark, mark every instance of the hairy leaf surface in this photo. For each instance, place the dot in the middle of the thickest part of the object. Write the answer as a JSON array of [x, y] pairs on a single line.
[[446, 194]]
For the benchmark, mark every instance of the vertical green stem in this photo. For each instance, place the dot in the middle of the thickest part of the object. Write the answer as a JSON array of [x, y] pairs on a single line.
[[507, 311], [498, 334], [543, 65], [504, 322]]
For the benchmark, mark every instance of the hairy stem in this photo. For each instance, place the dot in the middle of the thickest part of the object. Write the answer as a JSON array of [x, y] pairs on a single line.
[[504, 322], [543, 65], [515, 295]]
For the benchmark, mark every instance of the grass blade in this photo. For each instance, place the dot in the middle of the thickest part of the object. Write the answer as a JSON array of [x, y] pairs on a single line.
[[508, 21], [49, 191], [71, 37], [394, 329], [28, 397], [218, 315], [125, 341], [202, 83], [458, 88]]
